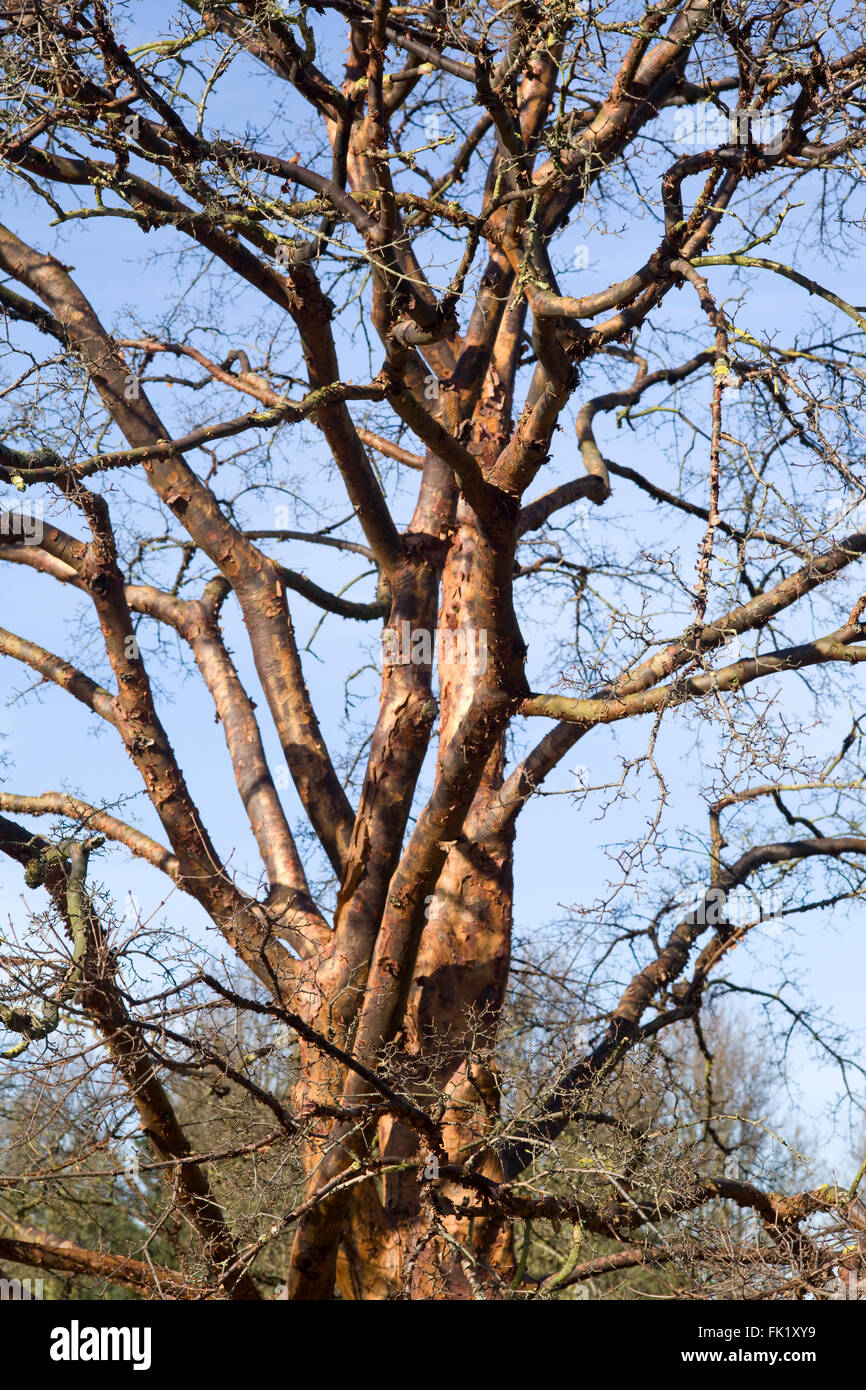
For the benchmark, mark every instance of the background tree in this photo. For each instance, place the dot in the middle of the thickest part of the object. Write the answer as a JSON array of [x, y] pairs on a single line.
[[402, 1091]]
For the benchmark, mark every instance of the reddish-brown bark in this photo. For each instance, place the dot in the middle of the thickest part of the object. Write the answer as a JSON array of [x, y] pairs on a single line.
[[397, 999]]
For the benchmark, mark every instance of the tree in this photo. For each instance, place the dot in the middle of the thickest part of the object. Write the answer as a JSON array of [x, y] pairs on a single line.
[[423, 1092]]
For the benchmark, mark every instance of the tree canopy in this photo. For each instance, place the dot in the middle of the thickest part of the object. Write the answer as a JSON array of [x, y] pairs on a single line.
[[400, 402]]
